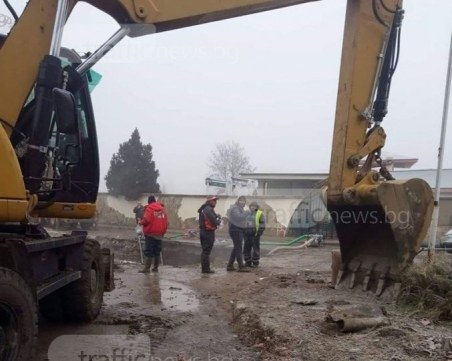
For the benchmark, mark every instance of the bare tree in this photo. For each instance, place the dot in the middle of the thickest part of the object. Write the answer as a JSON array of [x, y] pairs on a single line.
[[229, 160]]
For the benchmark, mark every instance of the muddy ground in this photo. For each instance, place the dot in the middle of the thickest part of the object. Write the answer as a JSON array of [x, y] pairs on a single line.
[[279, 311]]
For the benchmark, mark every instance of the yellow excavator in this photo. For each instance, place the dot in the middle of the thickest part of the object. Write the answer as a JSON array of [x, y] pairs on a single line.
[[50, 167]]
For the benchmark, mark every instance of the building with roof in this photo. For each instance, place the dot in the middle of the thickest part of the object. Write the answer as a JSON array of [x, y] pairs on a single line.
[[395, 161], [307, 185], [300, 183]]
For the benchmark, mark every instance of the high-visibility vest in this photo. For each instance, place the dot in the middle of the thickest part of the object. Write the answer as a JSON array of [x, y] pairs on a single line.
[[258, 220]]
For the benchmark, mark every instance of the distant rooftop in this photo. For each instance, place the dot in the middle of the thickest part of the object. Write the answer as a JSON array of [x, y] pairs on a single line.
[[392, 161], [429, 175], [285, 176]]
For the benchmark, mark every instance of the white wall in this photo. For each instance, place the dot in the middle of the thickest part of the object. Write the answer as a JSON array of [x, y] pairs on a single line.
[[283, 206]]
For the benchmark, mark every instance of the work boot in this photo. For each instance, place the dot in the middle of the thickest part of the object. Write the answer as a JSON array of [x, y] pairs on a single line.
[[156, 264], [147, 265], [205, 264], [243, 268], [230, 268], [248, 264], [208, 271]]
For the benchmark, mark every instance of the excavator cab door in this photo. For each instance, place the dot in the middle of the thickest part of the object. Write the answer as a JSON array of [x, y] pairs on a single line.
[[71, 170]]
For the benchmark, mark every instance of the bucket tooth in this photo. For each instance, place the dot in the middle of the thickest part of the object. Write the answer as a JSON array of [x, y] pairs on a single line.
[[367, 277], [397, 288], [384, 276], [339, 277], [381, 284], [355, 270]]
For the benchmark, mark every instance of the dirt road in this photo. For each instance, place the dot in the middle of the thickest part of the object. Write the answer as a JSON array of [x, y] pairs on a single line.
[[276, 312], [178, 320]]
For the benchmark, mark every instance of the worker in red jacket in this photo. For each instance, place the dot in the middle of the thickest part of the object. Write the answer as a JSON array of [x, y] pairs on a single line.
[[155, 224]]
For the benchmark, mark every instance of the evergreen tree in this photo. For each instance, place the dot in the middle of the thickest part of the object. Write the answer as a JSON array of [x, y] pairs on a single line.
[[132, 171]]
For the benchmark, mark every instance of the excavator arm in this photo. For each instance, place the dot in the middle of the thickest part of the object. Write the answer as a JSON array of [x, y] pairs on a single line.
[[380, 222]]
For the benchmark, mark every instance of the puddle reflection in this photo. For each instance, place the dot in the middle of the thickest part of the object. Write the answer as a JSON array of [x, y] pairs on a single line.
[[153, 293], [168, 294]]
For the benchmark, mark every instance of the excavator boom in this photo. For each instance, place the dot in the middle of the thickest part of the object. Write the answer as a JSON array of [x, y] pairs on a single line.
[[169, 15]]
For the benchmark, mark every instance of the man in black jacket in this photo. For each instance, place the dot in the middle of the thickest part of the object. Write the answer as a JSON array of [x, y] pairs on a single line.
[[139, 212], [208, 223]]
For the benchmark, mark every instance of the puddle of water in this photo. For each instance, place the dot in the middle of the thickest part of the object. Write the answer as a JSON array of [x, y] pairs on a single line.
[[151, 290], [172, 295], [136, 297]]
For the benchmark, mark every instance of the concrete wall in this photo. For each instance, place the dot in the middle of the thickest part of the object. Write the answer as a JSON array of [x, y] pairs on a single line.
[[278, 209], [445, 213]]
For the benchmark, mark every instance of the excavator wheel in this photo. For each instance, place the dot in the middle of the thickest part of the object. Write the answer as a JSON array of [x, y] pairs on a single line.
[[18, 318], [81, 300]]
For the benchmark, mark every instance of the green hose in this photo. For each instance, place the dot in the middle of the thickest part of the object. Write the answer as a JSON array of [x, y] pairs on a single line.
[[268, 243], [176, 236], [289, 243]]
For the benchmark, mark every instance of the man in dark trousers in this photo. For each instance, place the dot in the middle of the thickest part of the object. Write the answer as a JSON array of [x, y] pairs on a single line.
[[155, 224], [255, 226], [237, 223], [208, 223]]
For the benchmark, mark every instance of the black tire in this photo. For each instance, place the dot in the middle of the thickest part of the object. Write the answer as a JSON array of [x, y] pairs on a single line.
[[18, 317], [82, 299]]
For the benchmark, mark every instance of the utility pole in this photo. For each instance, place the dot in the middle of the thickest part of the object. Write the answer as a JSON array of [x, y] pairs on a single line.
[[434, 226]]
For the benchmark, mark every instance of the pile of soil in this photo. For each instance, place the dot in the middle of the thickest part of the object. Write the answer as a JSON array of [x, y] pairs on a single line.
[[283, 309]]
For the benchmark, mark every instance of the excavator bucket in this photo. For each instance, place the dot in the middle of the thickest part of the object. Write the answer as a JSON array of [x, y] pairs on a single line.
[[379, 240]]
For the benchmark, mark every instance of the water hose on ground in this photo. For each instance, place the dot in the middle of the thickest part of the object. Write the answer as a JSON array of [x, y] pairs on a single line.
[[314, 237], [287, 244]]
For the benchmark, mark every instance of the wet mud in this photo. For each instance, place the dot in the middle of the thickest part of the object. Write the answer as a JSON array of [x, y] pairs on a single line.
[[180, 323], [278, 311]]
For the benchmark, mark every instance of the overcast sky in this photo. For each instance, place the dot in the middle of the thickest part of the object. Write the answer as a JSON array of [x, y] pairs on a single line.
[[268, 81]]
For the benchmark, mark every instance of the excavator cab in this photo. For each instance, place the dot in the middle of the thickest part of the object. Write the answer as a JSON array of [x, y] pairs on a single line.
[[69, 149]]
